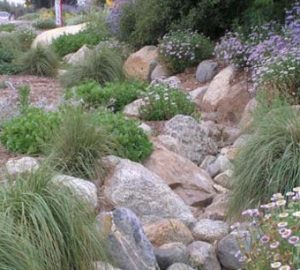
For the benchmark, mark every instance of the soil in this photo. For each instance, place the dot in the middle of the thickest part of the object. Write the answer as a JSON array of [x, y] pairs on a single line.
[[188, 79]]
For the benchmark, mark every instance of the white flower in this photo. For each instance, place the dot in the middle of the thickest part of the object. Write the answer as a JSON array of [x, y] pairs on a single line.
[[275, 265]]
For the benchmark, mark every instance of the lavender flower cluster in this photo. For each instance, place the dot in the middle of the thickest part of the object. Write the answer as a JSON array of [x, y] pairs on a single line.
[[181, 49], [265, 46], [274, 228], [114, 15]]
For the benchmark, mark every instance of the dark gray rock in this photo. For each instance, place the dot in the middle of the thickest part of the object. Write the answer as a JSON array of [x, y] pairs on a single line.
[[206, 70], [171, 253], [126, 241]]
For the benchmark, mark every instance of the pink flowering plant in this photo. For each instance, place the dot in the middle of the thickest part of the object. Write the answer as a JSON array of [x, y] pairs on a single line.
[[181, 49], [275, 231]]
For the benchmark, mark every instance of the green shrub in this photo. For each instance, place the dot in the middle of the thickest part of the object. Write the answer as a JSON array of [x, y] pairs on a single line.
[[24, 92], [78, 145], [75, 20], [8, 27], [182, 49], [112, 95], [94, 33], [269, 162], [282, 78], [162, 103], [28, 132], [45, 227], [102, 66], [132, 142], [29, 17], [44, 24], [40, 61]]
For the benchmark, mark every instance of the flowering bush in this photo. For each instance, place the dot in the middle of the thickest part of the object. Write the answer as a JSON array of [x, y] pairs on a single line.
[[181, 49], [282, 77], [162, 103], [275, 231]]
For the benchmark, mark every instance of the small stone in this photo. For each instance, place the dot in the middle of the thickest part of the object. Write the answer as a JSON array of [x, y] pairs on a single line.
[[146, 128], [224, 179], [21, 165], [210, 230], [218, 209], [171, 253], [159, 72], [207, 161], [168, 231], [221, 164], [206, 70], [104, 266], [203, 255], [180, 266], [133, 109]]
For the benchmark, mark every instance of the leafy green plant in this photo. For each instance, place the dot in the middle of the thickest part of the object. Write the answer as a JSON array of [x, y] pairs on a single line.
[[48, 228], [132, 142], [24, 92], [102, 66], [40, 61], [28, 132], [78, 145], [7, 27], [112, 95], [162, 103], [44, 24], [274, 228], [182, 49], [269, 162]]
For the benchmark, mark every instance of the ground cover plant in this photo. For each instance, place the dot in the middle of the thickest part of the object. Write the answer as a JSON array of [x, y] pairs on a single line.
[[8, 27], [162, 103], [113, 96], [274, 229], [269, 162], [182, 49], [44, 24], [132, 142], [47, 227], [28, 132], [102, 66]]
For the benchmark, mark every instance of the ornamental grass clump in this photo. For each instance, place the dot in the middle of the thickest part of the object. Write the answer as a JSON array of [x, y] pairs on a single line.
[[181, 49], [162, 103], [274, 228], [270, 160], [44, 227]]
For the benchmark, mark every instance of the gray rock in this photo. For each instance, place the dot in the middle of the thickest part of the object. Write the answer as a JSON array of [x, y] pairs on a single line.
[[207, 161], [172, 82], [171, 253], [198, 94], [21, 165], [159, 72], [229, 246], [203, 255], [218, 209], [126, 242], [210, 230], [81, 188], [133, 186], [104, 266], [206, 70], [170, 143], [146, 128], [224, 179], [133, 109], [180, 266], [194, 142], [242, 140], [78, 57], [221, 164]]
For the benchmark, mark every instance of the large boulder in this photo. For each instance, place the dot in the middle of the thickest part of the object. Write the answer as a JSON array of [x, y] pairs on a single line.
[[84, 189], [46, 38], [126, 242], [21, 165], [140, 64], [229, 246], [171, 253], [168, 231], [210, 230], [194, 142], [77, 57], [190, 182], [218, 89], [203, 256], [133, 186], [206, 70]]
